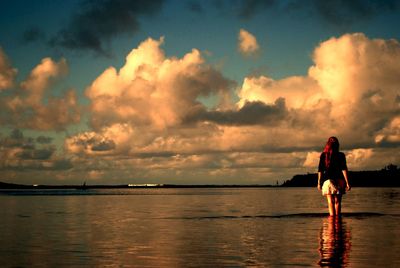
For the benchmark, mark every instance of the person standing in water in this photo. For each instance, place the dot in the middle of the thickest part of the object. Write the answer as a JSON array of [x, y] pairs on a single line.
[[332, 169]]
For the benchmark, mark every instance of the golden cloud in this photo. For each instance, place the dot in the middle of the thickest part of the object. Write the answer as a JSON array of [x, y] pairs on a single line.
[[31, 106], [247, 43], [149, 112], [7, 72]]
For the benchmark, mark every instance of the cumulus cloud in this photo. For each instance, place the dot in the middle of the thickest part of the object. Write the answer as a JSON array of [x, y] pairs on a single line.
[[147, 116], [251, 113], [390, 134], [351, 92], [95, 23], [31, 104], [298, 91], [41, 78], [7, 72], [104, 142], [357, 159], [151, 106], [360, 82], [247, 43], [352, 85], [20, 153], [153, 90]]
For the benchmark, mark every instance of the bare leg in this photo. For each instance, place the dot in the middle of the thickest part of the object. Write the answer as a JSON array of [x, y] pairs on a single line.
[[331, 205], [338, 204]]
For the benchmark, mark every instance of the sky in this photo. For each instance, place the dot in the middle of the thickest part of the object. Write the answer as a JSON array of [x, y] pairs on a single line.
[[195, 92]]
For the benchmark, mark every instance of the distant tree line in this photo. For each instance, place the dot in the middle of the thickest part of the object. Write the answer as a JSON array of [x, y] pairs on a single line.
[[389, 176]]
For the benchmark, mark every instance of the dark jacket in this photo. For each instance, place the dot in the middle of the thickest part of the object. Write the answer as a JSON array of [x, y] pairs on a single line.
[[337, 164]]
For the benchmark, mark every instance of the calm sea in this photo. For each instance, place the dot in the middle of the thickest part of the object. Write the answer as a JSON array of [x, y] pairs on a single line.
[[213, 227]]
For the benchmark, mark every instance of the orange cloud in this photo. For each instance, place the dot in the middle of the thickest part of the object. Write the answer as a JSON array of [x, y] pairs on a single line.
[[20, 153], [247, 43], [7, 73], [150, 113], [41, 78], [352, 85], [298, 91], [31, 106], [391, 133], [153, 90]]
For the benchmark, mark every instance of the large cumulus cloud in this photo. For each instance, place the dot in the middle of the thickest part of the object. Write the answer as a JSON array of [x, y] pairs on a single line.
[[351, 91], [359, 78], [153, 90], [149, 116], [32, 103], [154, 102]]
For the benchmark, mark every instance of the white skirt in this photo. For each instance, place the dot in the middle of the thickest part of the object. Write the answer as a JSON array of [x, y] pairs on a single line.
[[330, 188]]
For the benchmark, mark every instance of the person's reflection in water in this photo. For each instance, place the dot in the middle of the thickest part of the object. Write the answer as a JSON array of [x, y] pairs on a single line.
[[334, 243]]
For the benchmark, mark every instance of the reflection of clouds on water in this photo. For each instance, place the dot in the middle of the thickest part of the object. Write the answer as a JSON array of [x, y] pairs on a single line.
[[334, 243]]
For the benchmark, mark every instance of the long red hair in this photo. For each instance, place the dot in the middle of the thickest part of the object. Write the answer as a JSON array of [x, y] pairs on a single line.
[[331, 148]]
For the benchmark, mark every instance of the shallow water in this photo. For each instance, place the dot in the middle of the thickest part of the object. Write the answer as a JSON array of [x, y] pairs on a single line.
[[210, 227]]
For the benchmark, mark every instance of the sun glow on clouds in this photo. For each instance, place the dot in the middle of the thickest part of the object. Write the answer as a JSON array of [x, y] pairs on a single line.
[[248, 44], [153, 90], [356, 158], [154, 96], [7, 73], [31, 104], [147, 119], [391, 133]]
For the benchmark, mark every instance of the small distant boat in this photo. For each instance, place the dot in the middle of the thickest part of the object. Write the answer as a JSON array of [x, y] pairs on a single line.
[[82, 187]]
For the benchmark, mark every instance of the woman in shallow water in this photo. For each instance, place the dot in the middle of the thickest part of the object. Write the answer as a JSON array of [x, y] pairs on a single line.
[[332, 169]]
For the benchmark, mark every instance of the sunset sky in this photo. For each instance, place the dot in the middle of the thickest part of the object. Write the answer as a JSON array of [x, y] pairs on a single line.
[[195, 92]]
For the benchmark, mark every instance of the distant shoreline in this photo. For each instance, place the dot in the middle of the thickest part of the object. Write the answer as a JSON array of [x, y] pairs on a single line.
[[389, 176], [124, 186]]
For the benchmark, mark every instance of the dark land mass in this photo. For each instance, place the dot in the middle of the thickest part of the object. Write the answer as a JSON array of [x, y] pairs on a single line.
[[386, 177]]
